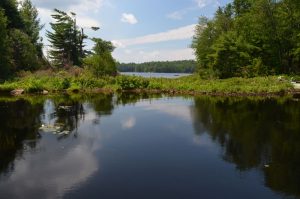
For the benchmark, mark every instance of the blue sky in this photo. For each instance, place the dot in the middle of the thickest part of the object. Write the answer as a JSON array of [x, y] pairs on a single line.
[[142, 30]]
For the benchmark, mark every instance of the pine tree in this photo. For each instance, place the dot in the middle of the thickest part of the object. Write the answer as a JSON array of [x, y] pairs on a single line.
[[4, 47], [66, 44], [32, 25]]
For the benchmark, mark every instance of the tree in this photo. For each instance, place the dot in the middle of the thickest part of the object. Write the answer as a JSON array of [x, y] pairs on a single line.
[[32, 25], [65, 40], [25, 56], [4, 47], [14, 19], [101, 62], [232, 56], [265, 31]]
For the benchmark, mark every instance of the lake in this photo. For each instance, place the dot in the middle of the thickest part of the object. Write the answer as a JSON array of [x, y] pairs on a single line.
[[141, 146], [157, 75]]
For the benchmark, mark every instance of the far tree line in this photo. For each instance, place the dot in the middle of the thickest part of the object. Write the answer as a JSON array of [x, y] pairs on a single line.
[[184, 66]]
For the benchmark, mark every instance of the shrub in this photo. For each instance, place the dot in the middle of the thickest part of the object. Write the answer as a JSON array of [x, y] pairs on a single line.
[[129, 83]]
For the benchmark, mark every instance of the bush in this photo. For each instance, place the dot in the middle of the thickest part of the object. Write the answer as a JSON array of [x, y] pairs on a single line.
[[129, 83]]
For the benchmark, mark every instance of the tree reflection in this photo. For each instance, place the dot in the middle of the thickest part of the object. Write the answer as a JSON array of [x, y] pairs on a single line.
[[20, 121], [68, 112], [262, 134]]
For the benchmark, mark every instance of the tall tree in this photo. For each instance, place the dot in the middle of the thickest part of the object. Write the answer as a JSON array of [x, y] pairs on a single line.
[[65, 40], [265, 32], [14, 19], [4, 47], [32, 25], [101, 62]]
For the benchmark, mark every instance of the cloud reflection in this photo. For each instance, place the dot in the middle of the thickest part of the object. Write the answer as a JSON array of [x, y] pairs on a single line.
[[52, 171], [176, 110], [128, 123]]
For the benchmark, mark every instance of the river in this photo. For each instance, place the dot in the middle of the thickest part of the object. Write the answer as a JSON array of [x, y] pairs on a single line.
[[141, 146]]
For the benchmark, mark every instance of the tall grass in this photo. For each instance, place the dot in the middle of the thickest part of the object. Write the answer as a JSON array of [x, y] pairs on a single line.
[[63, 80]]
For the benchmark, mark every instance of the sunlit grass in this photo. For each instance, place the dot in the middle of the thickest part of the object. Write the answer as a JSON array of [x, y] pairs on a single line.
[[62, 81]]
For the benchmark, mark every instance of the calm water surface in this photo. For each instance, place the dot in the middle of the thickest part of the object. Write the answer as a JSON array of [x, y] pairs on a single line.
[[139, 146], [157, 75]]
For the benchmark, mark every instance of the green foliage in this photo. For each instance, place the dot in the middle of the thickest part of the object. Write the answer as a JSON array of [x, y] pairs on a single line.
[[185, 66], [12, 13], [4, 47], [32, 25], [132, 82], [20, 47], [249, 38], [62, 80], [24, 51], [101, 62], [65, 40], [231, 54]]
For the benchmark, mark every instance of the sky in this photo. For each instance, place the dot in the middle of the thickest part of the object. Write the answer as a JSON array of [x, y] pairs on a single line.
[[141, 30]]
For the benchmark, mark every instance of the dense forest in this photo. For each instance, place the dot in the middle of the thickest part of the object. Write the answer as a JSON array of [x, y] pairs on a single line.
[[21, 47], [249, 38], [184, 66], [20, 43]]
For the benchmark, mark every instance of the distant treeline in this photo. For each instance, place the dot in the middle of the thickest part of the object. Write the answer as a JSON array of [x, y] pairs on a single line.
[[184, 66]]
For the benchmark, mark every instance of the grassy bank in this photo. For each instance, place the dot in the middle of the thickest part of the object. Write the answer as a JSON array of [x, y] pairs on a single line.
[[63, 81]]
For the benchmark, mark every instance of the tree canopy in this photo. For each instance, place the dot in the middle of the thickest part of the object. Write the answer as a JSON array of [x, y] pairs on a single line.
[[249, 38], [20, 43]]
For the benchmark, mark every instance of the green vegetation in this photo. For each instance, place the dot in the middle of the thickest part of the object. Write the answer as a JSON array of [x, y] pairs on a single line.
[[246, 39], [21, 48], [20, 43], [249, 38], [101, 62], [184, 66], [85, 81]]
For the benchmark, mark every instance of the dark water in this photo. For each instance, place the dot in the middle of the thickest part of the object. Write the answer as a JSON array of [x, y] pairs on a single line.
[[157, 75], [139, 146]]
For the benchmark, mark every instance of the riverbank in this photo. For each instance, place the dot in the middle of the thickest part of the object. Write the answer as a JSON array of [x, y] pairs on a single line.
[[191, 85]]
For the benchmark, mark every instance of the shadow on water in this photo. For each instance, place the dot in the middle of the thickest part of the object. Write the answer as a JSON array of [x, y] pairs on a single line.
[[262, 134]]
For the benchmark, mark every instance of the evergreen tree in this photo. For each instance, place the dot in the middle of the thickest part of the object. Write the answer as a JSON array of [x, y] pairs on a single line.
[[66, 40], [32, 25], [4, 47], [14, 19]]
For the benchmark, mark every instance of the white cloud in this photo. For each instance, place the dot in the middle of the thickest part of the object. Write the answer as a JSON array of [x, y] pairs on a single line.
[[128, 123], [129, 18], [181, 33], [85, 21], [80, 7], [176, 15], [204, 3], [139, 56], [67, 5]]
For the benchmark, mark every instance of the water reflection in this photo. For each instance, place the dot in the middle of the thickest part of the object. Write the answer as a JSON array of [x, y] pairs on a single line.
[[19, 122], [263, 134], [258, 136], [37, 164]]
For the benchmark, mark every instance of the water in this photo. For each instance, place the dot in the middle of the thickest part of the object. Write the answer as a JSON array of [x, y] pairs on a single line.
[[158, 75], [141, 146]]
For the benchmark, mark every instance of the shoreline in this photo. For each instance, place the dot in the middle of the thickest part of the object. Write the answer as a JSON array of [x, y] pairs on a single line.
[[37, 84], [172, 92]]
